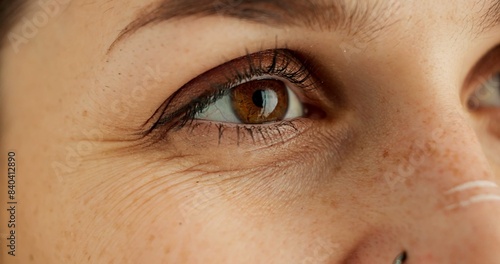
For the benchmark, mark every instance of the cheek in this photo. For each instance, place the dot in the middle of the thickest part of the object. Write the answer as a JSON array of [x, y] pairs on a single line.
[[115, 205], [159, 211], [187, 215]]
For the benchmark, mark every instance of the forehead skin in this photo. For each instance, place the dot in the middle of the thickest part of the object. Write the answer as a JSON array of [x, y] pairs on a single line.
[[93, 191]]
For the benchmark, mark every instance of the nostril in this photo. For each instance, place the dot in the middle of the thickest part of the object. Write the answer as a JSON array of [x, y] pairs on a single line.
[[401, 258]]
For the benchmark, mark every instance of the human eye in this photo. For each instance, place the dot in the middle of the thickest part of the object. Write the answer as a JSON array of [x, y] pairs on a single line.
[[484, 98], [487, 95], [265, 96]]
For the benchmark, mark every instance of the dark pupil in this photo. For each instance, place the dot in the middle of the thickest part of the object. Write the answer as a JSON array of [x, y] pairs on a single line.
[[258, 98]]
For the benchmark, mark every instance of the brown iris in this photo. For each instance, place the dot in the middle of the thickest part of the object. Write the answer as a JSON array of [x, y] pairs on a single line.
[[260, 101]]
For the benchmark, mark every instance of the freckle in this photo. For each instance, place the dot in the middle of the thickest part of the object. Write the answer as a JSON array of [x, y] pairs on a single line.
[[167, 250], [385, 154], [84, 113], [86, 201], [32, 258], [151, 238]]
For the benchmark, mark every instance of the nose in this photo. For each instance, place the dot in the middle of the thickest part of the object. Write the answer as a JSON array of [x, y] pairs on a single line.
[[452, 208], [448, 200], [442, 202]]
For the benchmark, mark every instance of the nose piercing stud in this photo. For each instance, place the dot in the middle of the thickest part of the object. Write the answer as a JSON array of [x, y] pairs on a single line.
[[400, 259]]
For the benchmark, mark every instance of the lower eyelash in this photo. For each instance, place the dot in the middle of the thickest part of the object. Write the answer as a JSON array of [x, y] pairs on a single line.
[[268, 134]]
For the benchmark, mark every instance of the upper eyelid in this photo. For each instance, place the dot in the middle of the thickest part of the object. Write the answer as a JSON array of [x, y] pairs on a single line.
[[477, 74]]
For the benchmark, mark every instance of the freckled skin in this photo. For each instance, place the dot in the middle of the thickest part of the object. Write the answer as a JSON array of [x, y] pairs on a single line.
[[360, 184]]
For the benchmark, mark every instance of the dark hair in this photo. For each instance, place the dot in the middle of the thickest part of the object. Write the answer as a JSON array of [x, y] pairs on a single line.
[[9, 12]]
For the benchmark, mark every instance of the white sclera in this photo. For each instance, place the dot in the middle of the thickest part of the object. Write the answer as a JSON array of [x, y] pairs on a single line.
[[489, 93]]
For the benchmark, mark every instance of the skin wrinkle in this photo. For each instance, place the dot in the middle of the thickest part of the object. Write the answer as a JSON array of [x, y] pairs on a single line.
[[110, 190], [118, 231], [125, 207], [243, 176], [490, 18], [146, 190], [101, 155]]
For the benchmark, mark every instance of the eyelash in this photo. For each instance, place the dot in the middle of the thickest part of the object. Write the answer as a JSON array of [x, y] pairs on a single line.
[[285, 65]]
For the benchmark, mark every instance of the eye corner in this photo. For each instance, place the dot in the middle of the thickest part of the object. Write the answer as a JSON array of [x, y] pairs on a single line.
[[482, 85]]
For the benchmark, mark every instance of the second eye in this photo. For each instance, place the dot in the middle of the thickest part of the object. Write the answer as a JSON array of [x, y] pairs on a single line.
[[255, 102]]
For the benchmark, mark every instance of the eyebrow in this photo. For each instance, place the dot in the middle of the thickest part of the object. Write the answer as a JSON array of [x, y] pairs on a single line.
[[356, 18], [490, 18], [353, 17]]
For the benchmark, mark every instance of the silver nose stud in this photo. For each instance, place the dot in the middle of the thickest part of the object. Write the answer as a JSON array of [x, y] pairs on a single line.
[[400, 259]]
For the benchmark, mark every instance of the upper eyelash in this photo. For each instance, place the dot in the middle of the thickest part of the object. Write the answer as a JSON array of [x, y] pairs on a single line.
[[280, 67]]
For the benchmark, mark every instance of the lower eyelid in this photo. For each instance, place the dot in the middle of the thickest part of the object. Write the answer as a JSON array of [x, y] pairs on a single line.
[[265, 135]]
